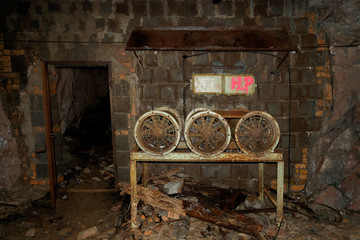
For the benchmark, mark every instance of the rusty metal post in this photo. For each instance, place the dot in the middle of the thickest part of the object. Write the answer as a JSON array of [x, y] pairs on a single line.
[[133, 191], [261, 181], [280, 192], [145, 171]]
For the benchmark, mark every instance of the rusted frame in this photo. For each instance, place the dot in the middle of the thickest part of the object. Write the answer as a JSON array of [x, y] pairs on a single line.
[[186, 156], [49, 135]]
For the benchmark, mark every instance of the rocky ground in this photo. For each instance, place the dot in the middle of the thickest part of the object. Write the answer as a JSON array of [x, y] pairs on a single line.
[[106, 215]]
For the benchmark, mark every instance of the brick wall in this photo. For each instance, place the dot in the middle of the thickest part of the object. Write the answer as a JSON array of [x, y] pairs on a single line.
[[97, 31]]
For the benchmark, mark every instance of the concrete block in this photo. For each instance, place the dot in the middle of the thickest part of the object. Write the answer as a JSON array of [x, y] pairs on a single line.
[[146, 75], [100, 23], [121, 104], [225, 9], [315, 92], [121, 121], [184, 9], [122, 8], [294, 109], [242, 8], [301, 25], [312, 123], [170, 59], [276, 8], [54, 7], [36, 102], [207, 10], [298, 124], [260, 8], [306, 108], [151, 91], [302, 139], [42, 170], [139, 8], [123, 174], [122, 142], [160, 75], [284, 141], [106, 7], [122, 159], [168, 92], [42, 157], [122, 88], [283, 124], [176, 75], [274, 109], [219, 21], [37, 119], [266, 91], [156, 8]]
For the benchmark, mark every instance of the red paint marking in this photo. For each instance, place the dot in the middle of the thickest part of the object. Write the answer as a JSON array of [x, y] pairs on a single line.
[[236, 82]]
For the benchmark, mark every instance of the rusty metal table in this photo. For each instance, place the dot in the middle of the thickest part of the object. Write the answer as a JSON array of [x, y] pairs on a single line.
[[183, 156]]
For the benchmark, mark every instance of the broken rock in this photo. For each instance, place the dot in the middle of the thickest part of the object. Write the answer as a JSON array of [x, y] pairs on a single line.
[[31, 232], [174, 187], [331, 197], [91, 232]]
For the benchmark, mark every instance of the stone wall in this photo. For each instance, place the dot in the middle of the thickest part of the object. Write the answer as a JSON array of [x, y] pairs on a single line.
[[98, 30]]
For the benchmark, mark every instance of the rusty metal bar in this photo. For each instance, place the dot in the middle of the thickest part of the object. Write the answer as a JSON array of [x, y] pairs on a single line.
[[145, 169], [272, 199], [133, 191], [186, 156], [280, 192], [49, 132], [261, 181], [282, 60]]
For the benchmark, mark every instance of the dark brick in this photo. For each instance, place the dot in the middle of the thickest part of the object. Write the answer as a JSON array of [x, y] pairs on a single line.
[[151, 91], [168, 92], [106, 6], [300, 92], [225, 8], [122, 159], [42, 170], [18, 63], [121, 121], [313, 123], [283, 22], [295, 156], [208, 10], [301, 8], [34, 24], [274, 109], [298, 125], [122, 8], [37, 118], [301, 25], [122, 142], [121, 104], [176, 75], [260, 8], [160, 75], [276, 7], [233, 22], [251, 59], [139, 8], [82, 25], [145, 106], [123, 174], [156, 9], [100, 23], [306, 108], [54, 7], [184, 9], [242, 8], [294, 76]]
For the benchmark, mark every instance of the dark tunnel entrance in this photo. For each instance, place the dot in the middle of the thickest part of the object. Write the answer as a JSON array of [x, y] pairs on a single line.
[[85, 153]]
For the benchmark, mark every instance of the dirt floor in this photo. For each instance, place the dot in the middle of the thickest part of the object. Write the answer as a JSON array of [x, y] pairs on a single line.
[[106, 215]]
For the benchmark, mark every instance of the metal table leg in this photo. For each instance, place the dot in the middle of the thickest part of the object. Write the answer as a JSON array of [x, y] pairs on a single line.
[[280, 192], [134, 199], [261, 181], [145, 170]]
